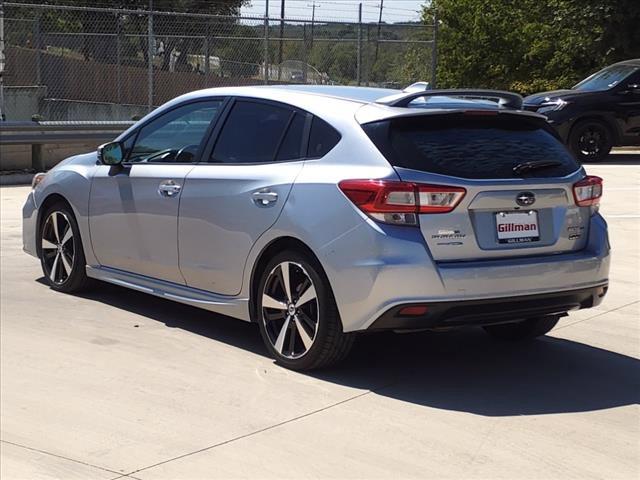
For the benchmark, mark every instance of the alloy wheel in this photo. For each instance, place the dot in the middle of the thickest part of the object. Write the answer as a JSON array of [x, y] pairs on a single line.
[[290, 310], [591, 141], [58, 247]]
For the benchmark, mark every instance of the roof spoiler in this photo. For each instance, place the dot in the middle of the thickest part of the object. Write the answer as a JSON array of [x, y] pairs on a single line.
[[417, 87], [504, 99]]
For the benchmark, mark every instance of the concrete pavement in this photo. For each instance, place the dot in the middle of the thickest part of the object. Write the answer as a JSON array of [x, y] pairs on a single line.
[[117, 384]]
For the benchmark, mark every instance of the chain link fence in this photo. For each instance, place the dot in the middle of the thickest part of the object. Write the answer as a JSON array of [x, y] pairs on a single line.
[[72, 63]]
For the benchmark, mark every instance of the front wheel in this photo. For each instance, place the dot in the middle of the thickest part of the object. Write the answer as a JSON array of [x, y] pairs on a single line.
[[298, 316], [61, 254], [590, 141], [525, 330]]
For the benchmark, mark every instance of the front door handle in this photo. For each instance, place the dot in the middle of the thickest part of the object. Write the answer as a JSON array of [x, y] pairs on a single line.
[[169, 188], [265, 197]]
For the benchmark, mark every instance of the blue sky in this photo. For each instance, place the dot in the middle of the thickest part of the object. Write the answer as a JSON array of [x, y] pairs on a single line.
[[347, 10]]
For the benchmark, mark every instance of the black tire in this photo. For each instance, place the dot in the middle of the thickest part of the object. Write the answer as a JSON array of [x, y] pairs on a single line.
[[68, 273], [525, 330], [330, 344], [591, 140]]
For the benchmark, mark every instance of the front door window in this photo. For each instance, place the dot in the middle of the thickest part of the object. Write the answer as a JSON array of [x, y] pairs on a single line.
[[175, 136]]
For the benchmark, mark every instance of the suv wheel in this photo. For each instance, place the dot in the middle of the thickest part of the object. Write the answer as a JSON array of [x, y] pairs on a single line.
[[297, 313], [525, 330], [591, 141], [61, 255]]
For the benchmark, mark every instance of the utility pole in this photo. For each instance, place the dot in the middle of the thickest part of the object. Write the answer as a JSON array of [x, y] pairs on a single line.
[[379, 26], [313, 18], [282, 2], [309, 46]]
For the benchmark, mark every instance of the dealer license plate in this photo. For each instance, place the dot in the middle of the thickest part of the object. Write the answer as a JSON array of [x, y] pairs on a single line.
[[517, 227]]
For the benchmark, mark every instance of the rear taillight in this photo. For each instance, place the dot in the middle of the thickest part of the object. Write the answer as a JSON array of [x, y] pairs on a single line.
[[587, 192], [400, 203]]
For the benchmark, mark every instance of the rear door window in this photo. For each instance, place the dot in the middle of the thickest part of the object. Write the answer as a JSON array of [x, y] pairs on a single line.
[[476, 148], [252, 133], [291, 147]]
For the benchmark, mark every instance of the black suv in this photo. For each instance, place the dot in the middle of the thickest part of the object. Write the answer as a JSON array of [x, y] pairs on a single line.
[[600, 112]]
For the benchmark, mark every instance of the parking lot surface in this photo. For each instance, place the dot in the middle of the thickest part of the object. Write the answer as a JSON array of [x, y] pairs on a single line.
[[115, 383]]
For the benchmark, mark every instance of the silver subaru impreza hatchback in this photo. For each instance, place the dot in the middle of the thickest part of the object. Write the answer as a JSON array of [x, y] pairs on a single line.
[[321, 212]]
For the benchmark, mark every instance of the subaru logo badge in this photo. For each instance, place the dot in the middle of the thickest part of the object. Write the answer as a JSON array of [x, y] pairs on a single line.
[[525, 199]]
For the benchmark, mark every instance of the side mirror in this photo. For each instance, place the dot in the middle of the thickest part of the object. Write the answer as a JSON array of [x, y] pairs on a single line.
[[111, 153]]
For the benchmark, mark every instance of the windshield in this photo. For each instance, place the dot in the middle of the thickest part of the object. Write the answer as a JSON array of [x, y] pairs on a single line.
[[607, 78]]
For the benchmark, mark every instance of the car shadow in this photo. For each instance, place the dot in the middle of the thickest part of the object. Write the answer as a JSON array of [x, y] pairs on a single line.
[[618, 158], [460, 370], [467, 371]]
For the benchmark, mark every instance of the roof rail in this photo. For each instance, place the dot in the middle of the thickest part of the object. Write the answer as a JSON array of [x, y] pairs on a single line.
[[505, 99]]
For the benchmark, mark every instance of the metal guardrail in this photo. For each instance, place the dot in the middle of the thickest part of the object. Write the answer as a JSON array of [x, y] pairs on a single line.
[[39, 133]]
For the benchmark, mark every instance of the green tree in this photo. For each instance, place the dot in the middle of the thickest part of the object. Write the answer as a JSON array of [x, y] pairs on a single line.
[[531, 45], [343, 66], [415, 66]]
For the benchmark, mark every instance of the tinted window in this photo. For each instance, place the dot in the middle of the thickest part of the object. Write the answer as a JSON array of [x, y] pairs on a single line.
[[251, 133], [489, 147], [322, 139], [291, 147], [176, 135], [635, 78]]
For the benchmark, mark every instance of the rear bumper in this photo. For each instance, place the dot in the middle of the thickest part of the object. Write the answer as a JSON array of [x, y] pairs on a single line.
[[371, 273], [490, 311]]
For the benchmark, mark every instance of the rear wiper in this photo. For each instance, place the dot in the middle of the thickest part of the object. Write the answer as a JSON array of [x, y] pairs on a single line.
[[537, 165]]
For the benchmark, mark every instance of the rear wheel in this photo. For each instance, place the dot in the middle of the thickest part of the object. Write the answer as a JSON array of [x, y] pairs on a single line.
[[298, 316], [591, 141], [61, 254], [525, 330]]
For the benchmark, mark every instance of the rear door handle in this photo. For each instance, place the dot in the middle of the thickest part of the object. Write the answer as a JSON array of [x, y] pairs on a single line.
[[169, 188], [263, 198]]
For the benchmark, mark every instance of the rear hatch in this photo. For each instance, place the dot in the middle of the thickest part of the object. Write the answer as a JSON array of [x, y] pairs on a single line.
[[517, 175]]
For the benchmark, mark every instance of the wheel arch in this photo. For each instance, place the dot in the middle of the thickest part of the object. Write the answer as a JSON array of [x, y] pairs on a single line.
[[49, 200], [274, 247]]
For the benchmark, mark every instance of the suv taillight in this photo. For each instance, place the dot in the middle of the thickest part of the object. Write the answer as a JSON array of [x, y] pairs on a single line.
[[587, 192], [400, 203]]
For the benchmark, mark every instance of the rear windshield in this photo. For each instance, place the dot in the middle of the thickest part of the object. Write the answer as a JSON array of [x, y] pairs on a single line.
[[480, 147]]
